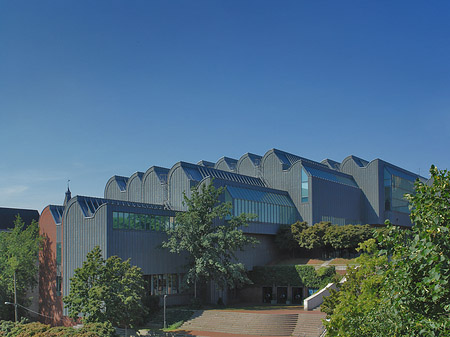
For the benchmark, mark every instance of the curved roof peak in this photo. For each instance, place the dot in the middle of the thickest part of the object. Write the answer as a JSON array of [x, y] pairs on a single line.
[[231, 163], [206, 163], [288, 159], [332, 164]]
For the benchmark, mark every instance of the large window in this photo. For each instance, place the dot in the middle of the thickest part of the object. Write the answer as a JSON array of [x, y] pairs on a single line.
[[148, 222], [396, 185], [269, 207], [162, 284], [305, 188]]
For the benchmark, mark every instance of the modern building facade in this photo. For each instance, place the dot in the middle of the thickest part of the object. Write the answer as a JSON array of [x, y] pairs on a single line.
[[279, 188]]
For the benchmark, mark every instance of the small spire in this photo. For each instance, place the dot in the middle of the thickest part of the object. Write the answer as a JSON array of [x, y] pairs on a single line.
[[68, 194]]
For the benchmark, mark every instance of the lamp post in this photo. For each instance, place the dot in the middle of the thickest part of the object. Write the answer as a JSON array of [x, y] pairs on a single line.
[[165, 296], [15, 298]]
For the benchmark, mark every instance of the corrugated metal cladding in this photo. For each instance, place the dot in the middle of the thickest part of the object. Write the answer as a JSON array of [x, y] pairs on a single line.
[[249, 165], [260, 255], [153, 189], [226, 164], [367, 178], [116, 188], [80, 236], [335, 200], [178, 183], [134, 187]]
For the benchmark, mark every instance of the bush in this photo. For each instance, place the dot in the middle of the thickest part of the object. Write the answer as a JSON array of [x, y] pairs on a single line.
[[36, 329], [303, 276]]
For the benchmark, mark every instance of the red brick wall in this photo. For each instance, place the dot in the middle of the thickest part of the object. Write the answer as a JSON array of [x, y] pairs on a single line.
[[49, 303]]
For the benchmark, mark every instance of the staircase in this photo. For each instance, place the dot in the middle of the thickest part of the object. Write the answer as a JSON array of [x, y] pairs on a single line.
[[261, 324]]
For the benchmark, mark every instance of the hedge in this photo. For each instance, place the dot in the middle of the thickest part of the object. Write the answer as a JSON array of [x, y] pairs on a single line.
[[299, 275], [36, 329]]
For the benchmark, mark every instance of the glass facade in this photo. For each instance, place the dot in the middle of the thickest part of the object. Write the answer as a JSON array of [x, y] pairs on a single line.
[[305, 185], [162, 284], [145, 222], [396, 185], [269, 207]]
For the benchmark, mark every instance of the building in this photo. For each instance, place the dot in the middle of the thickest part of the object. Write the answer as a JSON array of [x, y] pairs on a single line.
[[279, 187], [8, 216]]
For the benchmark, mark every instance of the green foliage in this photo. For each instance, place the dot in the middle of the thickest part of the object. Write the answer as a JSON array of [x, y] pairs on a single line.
[[19, 249], [210, 245], [409, 293], [349, 308], [348, 236], [324, 235], [293, 275], [313, 236], [11, 329], [106, 290]]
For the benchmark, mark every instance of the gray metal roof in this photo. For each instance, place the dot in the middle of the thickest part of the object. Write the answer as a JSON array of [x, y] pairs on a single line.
[[256, 159], [161, 173], [121, 182], [57, 213], [332, 164], [198, 173], [329, 174], [230, 162], [8, 216], [206, 163], [89, 205], [288, 159]]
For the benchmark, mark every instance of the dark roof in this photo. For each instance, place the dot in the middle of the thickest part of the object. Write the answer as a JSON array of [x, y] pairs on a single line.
[[8, 216]]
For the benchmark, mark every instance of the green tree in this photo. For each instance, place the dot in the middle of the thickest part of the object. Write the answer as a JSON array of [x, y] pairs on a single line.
[[106, 290], [210, 242], [348, 237], [313, 236], [19, 249]]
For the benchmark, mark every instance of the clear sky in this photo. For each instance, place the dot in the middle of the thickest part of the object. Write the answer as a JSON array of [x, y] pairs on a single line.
[[90, 89]]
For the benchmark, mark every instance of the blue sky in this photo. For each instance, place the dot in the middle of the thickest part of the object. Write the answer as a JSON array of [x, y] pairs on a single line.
[[90, 89]]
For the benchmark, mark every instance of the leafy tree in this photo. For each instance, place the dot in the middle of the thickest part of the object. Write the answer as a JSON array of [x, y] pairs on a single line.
[[347, 237], [313, 237], [412, 291], [210, 243], [19, 249], [106, 290], [298, 228]]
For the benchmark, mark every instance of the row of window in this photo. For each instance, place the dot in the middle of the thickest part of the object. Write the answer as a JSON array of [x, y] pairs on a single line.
[[162, 284], [267, 213], [340, 221], [149, 222]]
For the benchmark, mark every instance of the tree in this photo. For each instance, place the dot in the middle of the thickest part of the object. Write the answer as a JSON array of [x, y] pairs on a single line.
[[313, 237], [210, 242], [106, 290], [19, 249], [412, 296]]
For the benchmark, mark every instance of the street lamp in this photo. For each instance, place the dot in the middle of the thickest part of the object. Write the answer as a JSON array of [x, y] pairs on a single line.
[[165, 296]]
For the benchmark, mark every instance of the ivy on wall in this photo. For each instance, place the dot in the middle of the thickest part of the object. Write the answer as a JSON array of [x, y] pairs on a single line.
[[299, 275]]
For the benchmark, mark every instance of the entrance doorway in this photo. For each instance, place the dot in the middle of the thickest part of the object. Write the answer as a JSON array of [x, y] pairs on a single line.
[[267, 294], [297, 295], [281, 295]]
